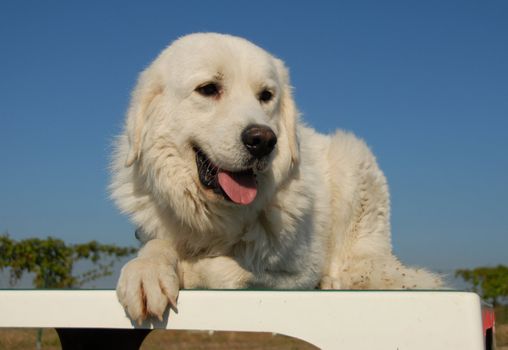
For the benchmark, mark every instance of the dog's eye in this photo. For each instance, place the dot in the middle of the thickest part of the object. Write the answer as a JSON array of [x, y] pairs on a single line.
[[265, 95], [209, 90]]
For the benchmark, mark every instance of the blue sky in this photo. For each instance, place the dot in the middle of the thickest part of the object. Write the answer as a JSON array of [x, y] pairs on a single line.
[[424, 83]]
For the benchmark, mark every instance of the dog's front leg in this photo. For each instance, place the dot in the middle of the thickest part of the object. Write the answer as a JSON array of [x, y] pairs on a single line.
[[150, 282], [221, 272]]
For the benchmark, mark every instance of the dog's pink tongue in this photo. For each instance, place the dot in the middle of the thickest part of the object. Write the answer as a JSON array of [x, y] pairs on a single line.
[[240, 187]]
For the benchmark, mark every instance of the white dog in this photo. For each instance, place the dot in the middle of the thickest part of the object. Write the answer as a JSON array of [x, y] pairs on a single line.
[[230, 190]]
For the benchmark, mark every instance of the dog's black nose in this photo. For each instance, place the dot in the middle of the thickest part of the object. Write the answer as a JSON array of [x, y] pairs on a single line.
[[259, 140]]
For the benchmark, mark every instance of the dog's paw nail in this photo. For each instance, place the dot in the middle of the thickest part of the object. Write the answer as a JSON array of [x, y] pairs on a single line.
[[174, 308]]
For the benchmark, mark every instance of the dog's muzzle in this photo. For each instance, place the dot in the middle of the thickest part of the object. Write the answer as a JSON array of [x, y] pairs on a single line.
[[239, 187]]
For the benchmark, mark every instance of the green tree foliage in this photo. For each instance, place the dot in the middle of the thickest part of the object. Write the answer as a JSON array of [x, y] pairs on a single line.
[[52, 261], [490, 282]]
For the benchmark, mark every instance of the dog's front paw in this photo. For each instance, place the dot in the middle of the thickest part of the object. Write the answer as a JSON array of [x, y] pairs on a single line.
[[328, 282], [146, 287]]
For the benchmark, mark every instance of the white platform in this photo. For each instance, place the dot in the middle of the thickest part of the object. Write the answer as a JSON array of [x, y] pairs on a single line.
[[328, 319]]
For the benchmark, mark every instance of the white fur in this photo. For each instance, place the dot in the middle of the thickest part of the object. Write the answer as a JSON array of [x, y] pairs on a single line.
[[321, 215]]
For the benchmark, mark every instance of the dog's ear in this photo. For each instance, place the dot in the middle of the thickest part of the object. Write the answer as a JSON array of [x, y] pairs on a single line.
[[147, 89], [288, 112]]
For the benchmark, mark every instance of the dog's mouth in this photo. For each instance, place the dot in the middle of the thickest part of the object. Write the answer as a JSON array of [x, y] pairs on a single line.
[[239, 187]]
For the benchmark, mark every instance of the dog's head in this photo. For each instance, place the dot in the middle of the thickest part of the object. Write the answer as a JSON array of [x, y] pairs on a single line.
[[212, 116]]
